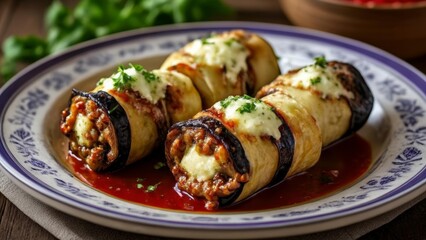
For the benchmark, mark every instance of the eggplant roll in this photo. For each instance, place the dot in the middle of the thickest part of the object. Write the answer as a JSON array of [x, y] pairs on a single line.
[[242, 145], [127, 115], [230, 63]]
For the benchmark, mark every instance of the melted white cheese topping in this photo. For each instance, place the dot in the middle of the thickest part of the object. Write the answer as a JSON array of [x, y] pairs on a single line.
[[201, 167], [322, 79], [220, 51], [260, 120], [151, 90]]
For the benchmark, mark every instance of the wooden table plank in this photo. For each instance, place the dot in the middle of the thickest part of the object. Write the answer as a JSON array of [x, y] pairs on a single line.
[[6, 9], [28, 15], [14, 224]]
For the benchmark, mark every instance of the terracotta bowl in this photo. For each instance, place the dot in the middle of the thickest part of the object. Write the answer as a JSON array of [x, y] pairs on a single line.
[[397, 28]]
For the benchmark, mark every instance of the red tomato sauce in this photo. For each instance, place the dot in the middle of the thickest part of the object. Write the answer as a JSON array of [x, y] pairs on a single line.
[[149, 182]]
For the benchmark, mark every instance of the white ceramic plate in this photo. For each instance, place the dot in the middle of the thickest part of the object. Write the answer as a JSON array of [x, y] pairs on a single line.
[[32, 148]]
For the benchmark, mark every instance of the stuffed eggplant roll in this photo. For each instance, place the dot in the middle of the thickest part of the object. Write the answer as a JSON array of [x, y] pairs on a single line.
[[230, 63], [242, 145], [334, 93], [126, 115]]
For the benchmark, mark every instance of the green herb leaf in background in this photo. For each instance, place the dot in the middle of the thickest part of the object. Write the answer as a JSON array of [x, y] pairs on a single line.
[[96, 18]]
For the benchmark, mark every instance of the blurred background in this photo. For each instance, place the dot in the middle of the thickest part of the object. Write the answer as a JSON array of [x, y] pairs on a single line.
[[30, 30]]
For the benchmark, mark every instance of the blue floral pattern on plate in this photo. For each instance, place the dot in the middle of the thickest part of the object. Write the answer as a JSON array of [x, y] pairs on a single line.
[[28, 126]]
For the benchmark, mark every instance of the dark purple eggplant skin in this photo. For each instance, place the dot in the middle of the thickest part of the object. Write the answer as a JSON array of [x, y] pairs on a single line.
[[120, 122], [362, 103], [285, 146]]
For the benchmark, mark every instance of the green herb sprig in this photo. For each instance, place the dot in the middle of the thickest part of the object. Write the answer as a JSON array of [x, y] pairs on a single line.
[[247, 107], [227, 101], [122, 80], [152, 188], [205, 41], [244, 108], [315, 80], [230, 41], [149, 76], [320, 62], [139, 184], [159, 165], [137, 67]]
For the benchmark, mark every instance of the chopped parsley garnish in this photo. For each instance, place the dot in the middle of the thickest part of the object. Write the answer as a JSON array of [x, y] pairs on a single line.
[[122, 79], [113, 109], [149, 76], [320, 62], [140, 179], [100, 82], [137, 67], [139, 185], [246, 107], [315, 80], [152, 188], [159, 165], [230, 41], [205, 41], [247, 97], [227, 101]]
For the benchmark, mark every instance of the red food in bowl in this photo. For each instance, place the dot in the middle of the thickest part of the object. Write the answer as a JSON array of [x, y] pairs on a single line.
[[383, 1]]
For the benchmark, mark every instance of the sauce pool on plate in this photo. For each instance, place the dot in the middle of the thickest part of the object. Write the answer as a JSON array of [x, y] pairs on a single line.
[[149, 182]]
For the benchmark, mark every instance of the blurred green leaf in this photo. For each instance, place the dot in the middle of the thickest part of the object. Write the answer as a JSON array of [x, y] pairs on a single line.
[[57, 15], [27, 49], [7, 70]]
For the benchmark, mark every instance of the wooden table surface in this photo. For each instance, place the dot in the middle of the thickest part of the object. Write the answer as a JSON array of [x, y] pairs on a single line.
[[24, 17]]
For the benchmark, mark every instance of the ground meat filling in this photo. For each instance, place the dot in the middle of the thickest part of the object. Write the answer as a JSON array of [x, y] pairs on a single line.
[[101, 146], [226, 184]]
